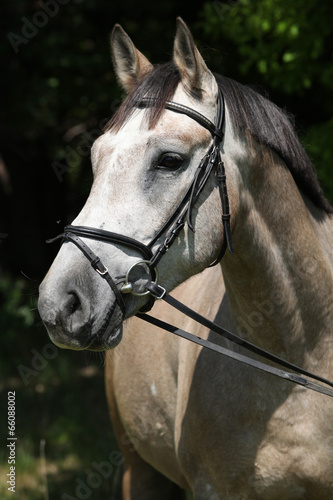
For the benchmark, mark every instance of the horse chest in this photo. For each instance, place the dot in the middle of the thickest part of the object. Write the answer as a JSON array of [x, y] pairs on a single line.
[[147, 407], [271, 447]]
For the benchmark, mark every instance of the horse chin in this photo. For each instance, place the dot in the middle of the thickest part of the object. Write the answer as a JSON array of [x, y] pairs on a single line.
[[104, 341], [63, 341], [107, 341]]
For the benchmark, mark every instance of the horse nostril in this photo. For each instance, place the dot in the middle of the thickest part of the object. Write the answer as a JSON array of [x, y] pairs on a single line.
[[74, 303], [67, 315]]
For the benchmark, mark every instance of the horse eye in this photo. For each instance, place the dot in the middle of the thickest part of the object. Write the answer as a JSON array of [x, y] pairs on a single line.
[[170, 162]]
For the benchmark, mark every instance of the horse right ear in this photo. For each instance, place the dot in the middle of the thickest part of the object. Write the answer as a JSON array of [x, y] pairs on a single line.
[[129, 64], [194, 73]]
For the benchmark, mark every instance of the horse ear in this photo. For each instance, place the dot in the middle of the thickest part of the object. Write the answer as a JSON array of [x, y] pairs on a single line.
[[194, 72], [129, 64]]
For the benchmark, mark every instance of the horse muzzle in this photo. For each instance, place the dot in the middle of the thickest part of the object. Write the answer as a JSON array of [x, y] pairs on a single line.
[[76, 317]]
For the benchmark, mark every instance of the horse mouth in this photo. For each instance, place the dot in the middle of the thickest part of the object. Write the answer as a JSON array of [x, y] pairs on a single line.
[[104, 341], [107, 339], [110, 331], [96, 333]]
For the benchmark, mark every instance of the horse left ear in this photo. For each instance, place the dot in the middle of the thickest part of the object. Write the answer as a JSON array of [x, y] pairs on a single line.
[[194, 72], [129, 64]]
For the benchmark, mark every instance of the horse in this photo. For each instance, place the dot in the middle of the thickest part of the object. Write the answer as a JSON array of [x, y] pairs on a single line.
[[187, 418]]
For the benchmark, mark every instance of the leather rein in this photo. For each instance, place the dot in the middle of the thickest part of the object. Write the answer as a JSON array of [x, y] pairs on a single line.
[[211, 162]]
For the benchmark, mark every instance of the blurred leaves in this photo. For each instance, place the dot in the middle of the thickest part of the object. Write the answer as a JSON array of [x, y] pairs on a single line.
[[288, 42], [17, 318], [318, 143], [287, 48], [15, 311]]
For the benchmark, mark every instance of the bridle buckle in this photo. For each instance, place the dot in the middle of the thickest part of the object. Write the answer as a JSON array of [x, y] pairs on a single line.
[[102, 273], [157, 291]]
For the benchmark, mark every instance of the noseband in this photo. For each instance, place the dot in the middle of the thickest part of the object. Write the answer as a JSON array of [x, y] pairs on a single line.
[[176, 222]]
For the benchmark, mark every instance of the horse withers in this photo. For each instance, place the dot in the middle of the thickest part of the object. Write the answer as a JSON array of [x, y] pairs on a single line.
[[187, 418]]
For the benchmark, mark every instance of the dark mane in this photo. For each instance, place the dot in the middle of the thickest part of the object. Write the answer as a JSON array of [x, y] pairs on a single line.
[[160, 84], [249, 110]]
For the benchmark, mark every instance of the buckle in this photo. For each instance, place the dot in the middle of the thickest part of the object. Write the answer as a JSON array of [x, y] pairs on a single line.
[[102, 273], [157, 291]]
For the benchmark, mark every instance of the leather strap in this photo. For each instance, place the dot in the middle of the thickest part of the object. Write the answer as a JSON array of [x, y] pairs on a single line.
[[209, 161], [94, 261], [160, 293], [221, 178], [215, 130], [109, 237], [147, 102], [291, 377]]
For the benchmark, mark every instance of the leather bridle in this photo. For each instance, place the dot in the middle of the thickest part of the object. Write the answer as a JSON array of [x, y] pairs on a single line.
[[211, 162]]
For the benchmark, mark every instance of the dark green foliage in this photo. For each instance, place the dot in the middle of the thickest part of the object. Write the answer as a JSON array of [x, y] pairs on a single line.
[[285, 48]]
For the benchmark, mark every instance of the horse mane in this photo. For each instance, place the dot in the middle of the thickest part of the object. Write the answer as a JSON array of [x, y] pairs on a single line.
[[249, 110]]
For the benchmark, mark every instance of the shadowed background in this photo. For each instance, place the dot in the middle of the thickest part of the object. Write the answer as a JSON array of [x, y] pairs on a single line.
[[58, 90]]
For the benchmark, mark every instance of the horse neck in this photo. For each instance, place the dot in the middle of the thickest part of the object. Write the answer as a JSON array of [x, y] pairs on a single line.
[[279, 282]]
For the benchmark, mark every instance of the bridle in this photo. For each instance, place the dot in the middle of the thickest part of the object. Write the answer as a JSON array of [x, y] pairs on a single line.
[[211, 162]]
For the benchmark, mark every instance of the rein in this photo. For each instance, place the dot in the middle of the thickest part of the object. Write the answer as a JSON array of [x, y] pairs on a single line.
[[171, 228], [160, 293]]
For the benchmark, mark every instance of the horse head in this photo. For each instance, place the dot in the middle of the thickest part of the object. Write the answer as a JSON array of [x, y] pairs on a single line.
[[143, 165]]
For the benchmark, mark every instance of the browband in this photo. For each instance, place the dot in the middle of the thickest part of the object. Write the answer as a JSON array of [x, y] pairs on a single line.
[[191, 113]]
